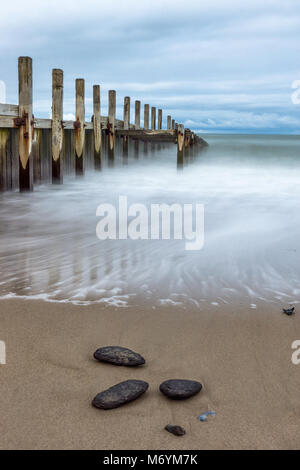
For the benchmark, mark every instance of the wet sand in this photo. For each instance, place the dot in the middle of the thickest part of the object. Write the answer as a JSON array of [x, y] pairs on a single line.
[[241, 356]]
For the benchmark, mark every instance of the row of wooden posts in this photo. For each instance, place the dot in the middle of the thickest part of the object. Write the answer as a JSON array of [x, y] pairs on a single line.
[[18, 127]]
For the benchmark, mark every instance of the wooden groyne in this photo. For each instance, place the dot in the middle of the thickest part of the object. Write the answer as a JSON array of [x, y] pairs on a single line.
[[34, 150]]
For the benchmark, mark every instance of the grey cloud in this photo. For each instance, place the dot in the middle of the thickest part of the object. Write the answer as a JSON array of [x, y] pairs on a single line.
[[209, 63]]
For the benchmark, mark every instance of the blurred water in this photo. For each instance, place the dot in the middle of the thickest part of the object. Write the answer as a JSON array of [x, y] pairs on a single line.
[[251, 192]]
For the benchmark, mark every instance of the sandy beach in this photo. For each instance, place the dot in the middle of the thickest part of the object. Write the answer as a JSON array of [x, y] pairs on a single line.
[[241, 356]]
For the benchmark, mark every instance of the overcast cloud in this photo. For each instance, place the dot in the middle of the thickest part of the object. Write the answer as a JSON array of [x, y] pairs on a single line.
[[215, 65]]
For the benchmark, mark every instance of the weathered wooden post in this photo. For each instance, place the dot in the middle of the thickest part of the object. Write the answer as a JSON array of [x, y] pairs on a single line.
[[146, 116], [169, 122], [57, 128], [111, 123], [187, 138], [126, 112], [153, 118], [25, 124], [137, 109], [159, 125], [79, 127], [159, 121], [193, 139], [180, 141], [173, 124], [97, 126], [126, 119], [137, 123]]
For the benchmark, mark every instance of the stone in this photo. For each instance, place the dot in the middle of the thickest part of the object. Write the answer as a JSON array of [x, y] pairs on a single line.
[[119, 356], [120, 394], [176, 430], [180, 389], [289, 311]]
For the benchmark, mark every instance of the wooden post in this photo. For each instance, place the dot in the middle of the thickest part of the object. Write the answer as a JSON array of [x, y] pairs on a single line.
[[137, 123], [153, 124], [146, 124], [153, 118], [193, 139], [126, 112], [173, 124], [97, 126], [169, 122], [137, 114], [111, 122], [146, 116], [180, 141], [159, 122], [25, 124], [79, 127], [126, 119], [57, 129], [187, 139]]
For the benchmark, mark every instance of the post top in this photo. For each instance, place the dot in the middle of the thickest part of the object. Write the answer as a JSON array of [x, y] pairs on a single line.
[[25, 59]]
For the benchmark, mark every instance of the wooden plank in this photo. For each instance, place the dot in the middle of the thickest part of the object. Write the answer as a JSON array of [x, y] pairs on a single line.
[[26, 125], [36, 156], [14, 157], [118, 124], [153, 118], [69, 151], [146, 116], [57, 129], [111, 122], [169, 122], [159, 120], [4, 158], [79, 127], [149, 135], [132, 132], [7, 122], [9, 109], [89, 150], [137, 109], [97, 126]]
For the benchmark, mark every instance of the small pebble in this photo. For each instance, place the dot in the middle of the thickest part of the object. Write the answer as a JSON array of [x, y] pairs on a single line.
[[204, 416]]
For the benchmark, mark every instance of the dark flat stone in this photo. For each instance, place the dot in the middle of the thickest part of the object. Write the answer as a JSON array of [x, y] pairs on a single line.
[[176, 430], [119, 356], [180, 389], [120, 394]]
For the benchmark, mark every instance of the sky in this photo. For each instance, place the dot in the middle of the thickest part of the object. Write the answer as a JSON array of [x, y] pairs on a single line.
[[217, 66]]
